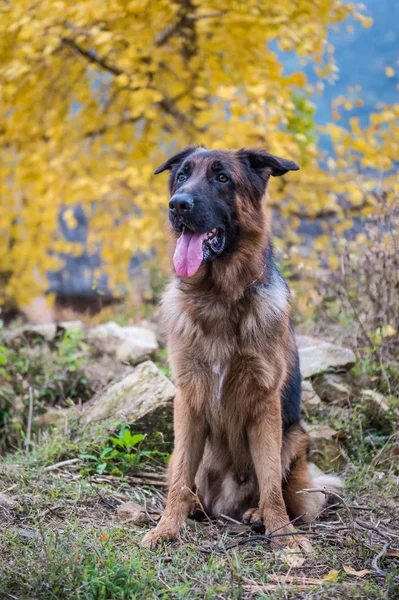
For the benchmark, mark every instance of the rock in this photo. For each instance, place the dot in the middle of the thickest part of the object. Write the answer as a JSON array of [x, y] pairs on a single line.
[[310, 400], [6, 501], [129, 399], [46, 332], [154, 323], [334, 412], [103, 370], [70, 325], [132, 512], [332, 388], [317, 355], [57, 416], [325, 452], [376, 408], [125, 343]]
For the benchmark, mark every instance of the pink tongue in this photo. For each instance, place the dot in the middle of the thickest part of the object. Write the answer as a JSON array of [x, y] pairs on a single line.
[[188, 254]]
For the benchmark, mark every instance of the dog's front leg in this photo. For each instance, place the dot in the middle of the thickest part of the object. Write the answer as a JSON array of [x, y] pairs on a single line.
[[190, 436], [265, 439]]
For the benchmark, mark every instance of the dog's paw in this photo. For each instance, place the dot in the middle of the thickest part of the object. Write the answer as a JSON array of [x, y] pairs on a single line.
[[166, 531], [254, 518]]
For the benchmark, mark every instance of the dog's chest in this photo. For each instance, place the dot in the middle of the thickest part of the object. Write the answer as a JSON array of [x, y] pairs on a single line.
[[212, 337], [219, 372]]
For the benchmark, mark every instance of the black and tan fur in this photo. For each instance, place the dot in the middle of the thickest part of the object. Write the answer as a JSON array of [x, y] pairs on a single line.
[[239, 444]]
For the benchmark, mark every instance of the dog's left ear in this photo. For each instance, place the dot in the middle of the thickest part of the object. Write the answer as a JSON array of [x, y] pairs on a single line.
[[176, 159], [259, 160]]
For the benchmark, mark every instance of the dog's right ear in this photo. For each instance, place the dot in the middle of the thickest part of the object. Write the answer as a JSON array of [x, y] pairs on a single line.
[[176, 159]]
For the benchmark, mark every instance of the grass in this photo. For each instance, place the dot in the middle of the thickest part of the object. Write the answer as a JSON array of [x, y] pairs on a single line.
[[62, 540]]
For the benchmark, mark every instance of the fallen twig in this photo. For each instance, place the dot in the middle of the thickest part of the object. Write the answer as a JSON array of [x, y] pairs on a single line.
[[227, 518], [269, 537], [372, 527], [29, 426], [10, 488], [376, 569], [63, 463]]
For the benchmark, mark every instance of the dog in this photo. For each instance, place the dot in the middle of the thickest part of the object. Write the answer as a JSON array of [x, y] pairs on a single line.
[[239, 445]]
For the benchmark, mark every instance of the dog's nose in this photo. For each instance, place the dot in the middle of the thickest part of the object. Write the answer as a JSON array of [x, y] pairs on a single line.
[[180, 204]]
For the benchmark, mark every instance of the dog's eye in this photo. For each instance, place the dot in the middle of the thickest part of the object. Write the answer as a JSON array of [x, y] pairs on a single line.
[[222, 178], [181, 178]]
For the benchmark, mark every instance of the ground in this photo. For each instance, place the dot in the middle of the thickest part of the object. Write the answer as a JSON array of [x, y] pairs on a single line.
[[62, 539]]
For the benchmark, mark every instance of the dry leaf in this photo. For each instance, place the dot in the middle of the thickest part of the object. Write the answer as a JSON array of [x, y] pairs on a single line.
[[331, 576], [294, 557], [103, 536], [339, 435], [351, 571], [392, 552]]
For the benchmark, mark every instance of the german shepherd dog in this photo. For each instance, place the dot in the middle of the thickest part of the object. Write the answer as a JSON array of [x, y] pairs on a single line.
[[239, 446]]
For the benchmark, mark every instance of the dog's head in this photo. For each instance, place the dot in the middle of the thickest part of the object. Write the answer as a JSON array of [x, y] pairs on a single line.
[[208, 188]]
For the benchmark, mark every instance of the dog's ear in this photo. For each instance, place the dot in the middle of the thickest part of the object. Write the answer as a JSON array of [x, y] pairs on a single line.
[[259, 160], [176, 159]]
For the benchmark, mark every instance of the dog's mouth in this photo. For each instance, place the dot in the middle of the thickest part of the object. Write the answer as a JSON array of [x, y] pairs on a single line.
[[193, 248]]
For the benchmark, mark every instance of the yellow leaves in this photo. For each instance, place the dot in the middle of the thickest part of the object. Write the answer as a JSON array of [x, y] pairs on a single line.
[[331, 575], [334, 262], [69, 218], [389, 72], [367, 22], [355, 194], [225, 92], [354, 123], [86, 124], [122, 80], [334, 131], [298, 79], [103, 38]]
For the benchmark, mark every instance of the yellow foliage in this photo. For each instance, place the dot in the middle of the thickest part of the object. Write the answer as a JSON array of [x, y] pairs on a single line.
[[93, 95]]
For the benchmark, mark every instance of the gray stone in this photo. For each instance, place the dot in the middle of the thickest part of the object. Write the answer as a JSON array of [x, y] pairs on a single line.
[[47, 332], [310, 400], [317, 355], [131, 344], [376, 408], [332, 388], [335, 412], [57, 416], [325, 452], [70, 325], [132, 513], [103, 370], [154, 322], [6, 501], [129, 399]]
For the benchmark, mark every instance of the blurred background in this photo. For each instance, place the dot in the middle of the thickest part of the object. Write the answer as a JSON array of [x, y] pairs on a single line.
[[94, 96]]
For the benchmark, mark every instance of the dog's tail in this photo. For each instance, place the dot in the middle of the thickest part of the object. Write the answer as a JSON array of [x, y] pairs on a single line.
[[325, 491]]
